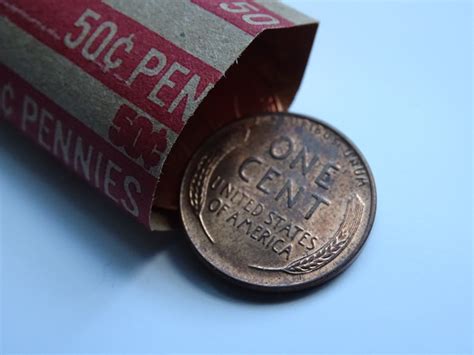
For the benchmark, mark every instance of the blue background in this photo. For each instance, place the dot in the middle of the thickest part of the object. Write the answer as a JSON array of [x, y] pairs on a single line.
[[79, 276]]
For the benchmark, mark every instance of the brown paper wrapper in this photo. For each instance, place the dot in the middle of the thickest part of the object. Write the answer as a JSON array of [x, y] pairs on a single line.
[[123, 92]]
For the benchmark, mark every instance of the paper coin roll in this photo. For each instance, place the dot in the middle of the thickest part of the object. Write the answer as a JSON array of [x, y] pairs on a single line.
[[122, 92]]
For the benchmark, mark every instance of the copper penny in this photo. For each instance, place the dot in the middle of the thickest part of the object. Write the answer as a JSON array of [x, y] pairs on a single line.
[[278, 202]]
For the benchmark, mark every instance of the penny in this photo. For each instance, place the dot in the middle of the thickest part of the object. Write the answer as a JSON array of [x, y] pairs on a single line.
[[278, 201]]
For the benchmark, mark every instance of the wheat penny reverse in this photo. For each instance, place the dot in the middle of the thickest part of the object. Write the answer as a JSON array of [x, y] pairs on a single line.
[[278, 202]]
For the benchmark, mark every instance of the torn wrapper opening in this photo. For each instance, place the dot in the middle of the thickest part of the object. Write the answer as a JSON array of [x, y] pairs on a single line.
[[265, 78]]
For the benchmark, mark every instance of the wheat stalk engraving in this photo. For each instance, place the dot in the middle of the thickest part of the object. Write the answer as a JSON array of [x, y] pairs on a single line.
[[198, 187], [329, 251]]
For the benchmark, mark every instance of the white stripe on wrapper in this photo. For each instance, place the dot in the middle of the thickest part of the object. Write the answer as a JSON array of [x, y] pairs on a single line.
[[200, 33], [287, 12], [78, 93]]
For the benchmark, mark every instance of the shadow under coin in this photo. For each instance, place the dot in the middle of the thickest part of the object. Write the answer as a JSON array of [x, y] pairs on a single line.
[[109, 232], [201, 276]]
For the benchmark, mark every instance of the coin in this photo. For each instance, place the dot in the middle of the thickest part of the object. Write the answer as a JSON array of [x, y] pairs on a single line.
[[278, 201]]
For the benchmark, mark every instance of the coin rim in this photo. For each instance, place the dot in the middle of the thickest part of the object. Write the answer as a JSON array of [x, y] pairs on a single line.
[[305, 284]]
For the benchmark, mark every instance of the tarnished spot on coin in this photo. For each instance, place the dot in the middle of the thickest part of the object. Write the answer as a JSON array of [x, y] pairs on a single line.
[[278, 202]]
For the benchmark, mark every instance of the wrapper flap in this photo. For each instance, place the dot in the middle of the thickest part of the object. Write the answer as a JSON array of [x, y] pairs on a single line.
[[264, 78]]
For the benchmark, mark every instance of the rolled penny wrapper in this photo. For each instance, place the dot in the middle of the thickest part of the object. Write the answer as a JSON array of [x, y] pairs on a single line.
[[123, 92]]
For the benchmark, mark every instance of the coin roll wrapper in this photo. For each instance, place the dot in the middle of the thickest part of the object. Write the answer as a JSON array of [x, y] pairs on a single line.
[[122, 93]]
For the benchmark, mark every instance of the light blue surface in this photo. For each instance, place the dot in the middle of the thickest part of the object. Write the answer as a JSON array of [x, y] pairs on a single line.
[[80, 276]]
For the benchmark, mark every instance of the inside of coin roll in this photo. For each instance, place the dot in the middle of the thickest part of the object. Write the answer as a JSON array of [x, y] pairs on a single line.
[[264, 79]]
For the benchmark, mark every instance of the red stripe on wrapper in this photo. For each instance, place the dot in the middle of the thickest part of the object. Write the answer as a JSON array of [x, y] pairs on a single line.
[[248, 15], [74, 144], [138, 64]]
